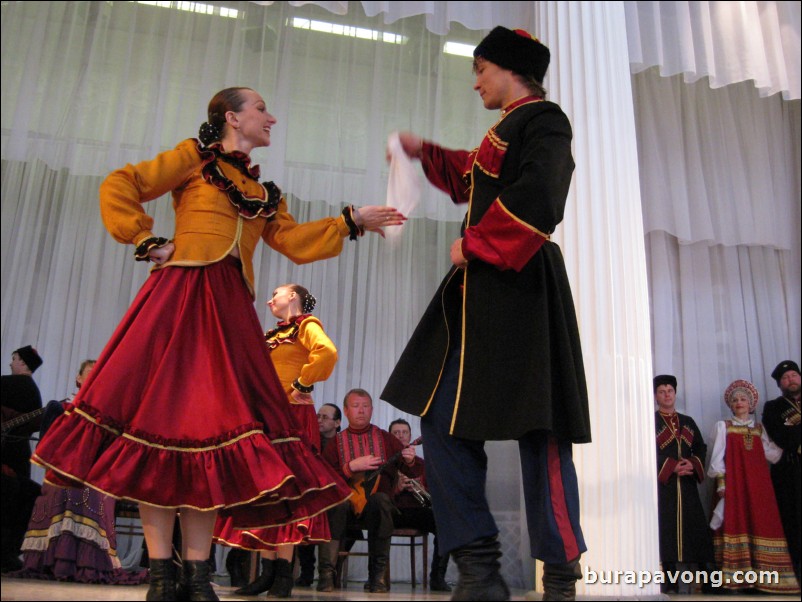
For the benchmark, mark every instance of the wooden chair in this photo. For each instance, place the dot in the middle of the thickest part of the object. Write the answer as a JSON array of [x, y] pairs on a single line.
[[411, 542], [130, 512]]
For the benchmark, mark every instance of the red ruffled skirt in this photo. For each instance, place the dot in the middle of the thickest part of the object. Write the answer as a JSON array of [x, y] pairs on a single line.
[[311, 530], [184, 409]]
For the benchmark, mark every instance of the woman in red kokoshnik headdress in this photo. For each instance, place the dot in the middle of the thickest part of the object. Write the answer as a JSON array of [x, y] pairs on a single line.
[[747, 532]]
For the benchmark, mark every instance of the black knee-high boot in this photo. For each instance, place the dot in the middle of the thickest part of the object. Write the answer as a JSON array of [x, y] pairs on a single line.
[[306, 558], [437, 577], [262, 583], [379, 557], [559, 580], [162, 580], [327, 554], [479, 576], [282, 581], [198, 581]]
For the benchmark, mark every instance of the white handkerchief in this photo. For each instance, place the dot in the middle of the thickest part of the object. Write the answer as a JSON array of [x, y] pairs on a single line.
[[403, 185]]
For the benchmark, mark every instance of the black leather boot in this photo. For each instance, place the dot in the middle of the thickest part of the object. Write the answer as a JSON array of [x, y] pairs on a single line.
[[371, 564], [437, 577], [282, 581], [234, 565], [182, 585], [479, 576], [198, 580], [162, 580], [379, 558], [306, 558], [326, 565], [559, 580], [262, 583]]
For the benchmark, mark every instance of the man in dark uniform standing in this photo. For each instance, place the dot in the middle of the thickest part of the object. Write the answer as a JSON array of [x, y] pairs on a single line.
[[20, 399], [781, 418], [497, 354], [681, 450]]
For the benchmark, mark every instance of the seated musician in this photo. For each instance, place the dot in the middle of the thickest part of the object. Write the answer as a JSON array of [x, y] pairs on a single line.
[[22, 413], [360, 450], [415, 506]]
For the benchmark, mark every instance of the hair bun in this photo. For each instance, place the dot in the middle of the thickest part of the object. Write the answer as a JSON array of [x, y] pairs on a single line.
[[309, 303], [208, 133]]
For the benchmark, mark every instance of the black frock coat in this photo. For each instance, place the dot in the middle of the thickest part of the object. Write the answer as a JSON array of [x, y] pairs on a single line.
[[782, 423], [684, 532], [521, 366]]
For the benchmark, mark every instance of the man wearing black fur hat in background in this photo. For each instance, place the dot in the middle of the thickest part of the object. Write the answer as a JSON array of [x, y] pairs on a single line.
[[497, 354], [20, 399], [681, 450], [781, 418]]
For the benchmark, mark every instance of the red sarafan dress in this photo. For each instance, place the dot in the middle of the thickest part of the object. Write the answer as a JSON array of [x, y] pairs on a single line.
[[184, 407], [300, 349], [748, 534]]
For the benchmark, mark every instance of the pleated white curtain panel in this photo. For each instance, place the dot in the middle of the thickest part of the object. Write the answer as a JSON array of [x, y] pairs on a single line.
[[726, 42], [683, 212]]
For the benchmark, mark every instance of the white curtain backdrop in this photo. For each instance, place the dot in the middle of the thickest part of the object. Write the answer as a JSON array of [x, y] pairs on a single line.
[[727, 42], [681, 234]]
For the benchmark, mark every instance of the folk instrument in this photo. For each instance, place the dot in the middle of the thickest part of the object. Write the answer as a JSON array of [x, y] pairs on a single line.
[[366, 483], [423, 497], [19, 421]]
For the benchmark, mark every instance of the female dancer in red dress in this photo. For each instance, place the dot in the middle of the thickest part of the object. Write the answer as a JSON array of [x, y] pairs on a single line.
[[183, 412]]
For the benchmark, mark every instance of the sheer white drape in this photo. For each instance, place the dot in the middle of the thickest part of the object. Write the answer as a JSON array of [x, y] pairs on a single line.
[[91, 86]]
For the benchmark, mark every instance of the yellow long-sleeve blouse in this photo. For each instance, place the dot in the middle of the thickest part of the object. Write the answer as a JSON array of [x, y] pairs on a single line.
[[303, 351], [207, 224]]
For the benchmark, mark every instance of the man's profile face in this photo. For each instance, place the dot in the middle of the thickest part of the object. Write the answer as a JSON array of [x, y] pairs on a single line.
[[17, 365], [402, 433], [494, 84]]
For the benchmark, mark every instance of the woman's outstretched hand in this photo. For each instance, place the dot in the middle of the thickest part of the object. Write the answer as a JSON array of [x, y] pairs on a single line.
[[374, 218]]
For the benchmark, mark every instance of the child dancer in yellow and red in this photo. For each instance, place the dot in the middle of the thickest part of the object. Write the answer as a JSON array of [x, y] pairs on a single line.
[[302, 355], [747, 532]]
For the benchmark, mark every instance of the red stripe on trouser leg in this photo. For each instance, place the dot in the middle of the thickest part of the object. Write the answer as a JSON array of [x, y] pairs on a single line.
[[558, 505]]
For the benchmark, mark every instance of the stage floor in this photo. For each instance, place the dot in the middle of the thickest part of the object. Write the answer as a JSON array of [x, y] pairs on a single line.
[[50, 591]]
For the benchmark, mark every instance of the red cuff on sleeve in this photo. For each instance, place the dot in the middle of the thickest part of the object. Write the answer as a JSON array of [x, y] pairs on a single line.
[[501, 239], [347, 470], [666, 471]]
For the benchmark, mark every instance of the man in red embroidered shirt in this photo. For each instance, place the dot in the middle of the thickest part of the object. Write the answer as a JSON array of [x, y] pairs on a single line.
[[357, 452]]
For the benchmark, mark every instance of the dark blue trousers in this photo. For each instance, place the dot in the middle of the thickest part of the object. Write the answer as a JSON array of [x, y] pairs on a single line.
[[456, 473]]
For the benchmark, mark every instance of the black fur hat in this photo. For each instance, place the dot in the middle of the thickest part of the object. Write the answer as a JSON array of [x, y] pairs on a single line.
[[515, 50], [665, 379], [30, 356], [782, 368]]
